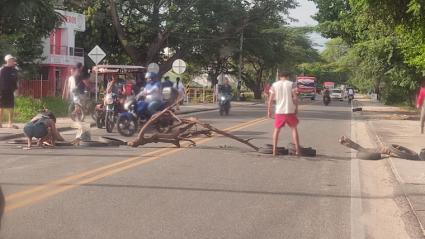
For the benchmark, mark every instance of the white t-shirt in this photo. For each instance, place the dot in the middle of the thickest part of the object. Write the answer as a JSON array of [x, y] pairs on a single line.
[[71, 84], [282, 91], [179, 87]]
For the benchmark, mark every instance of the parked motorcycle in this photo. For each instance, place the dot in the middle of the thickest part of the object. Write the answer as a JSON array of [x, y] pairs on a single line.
[[224, 103], [137, 114], [100, 113], [111, 111], [86, 105]]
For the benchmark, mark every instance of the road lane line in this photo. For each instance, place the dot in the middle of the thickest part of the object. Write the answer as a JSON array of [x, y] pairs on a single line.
[[109, 170], [356, 204]]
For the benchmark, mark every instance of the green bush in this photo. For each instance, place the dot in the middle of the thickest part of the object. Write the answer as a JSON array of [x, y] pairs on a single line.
[[26, 108]]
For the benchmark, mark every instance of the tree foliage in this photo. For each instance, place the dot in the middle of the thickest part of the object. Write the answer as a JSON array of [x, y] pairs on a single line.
[[23, 24], [385, 37]]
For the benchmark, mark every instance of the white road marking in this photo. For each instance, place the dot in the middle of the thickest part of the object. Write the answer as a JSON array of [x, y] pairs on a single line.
[[356, 208]]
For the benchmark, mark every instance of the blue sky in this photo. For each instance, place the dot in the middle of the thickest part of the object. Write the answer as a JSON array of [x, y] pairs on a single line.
[[303, 13]]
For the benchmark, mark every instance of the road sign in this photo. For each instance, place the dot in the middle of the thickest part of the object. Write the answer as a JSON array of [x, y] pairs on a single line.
[[97, 54], [179, 66], [153, 67]]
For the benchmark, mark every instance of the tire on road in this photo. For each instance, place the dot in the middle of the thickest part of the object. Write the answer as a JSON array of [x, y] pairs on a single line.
[[422, 155], [306, 152], [403, 152], [368, 155], [280, 150], [265, 151]]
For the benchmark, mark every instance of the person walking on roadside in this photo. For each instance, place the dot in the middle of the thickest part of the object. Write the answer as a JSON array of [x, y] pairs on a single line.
[[180, 88], [8, 86], [420, 105], [167, 82], [286, 111]]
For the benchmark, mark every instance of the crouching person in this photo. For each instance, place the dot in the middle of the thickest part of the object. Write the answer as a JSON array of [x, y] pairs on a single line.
[[43, 128]]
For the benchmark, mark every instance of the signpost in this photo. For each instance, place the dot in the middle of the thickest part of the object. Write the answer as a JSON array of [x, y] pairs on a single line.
[[179, 66], [97, 55]]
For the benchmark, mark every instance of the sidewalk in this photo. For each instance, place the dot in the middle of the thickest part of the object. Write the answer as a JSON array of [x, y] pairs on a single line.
[[393, 125], [65, 124]]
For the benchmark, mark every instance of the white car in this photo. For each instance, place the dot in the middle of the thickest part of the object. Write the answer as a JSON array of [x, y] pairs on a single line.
[[337, 94]]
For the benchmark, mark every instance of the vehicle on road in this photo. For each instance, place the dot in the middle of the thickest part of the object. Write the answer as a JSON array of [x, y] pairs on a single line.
[[137, 114], [329, 84], [336, 94], [326, 97], [350, 94], [306, 87], [224, 103]]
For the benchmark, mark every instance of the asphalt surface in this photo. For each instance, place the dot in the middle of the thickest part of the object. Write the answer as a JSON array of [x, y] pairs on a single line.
[[219, 189]]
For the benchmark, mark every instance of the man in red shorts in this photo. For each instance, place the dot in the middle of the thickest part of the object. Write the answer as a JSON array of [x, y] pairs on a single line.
[[286, 109]]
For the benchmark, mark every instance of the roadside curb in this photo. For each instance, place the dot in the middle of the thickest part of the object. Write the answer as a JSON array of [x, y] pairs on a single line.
[[396, 174]]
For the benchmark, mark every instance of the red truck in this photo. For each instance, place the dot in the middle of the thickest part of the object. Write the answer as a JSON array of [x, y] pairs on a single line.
[[306, 87]]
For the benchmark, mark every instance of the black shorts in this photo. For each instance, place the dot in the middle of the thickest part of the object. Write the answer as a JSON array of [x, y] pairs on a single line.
[[7, 100]]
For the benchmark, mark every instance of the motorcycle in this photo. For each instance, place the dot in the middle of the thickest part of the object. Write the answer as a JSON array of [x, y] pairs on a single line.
[[350, 98], [100, 116], [111, 111], [137, 114], [224, 103], [86, 105], [326, 100]]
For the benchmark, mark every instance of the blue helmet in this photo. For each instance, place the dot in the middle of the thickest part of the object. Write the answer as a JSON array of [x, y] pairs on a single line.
[[151, 75]]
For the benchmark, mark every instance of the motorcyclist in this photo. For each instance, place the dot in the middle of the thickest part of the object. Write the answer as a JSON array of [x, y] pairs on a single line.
[[79, 85], [350, 92], [225, 88], [326, 94], [152, 93]]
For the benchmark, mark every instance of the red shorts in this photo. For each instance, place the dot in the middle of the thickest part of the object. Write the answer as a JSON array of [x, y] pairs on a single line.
[[282, 119]]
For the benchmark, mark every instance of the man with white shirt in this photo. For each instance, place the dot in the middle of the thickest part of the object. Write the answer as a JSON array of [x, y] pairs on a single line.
[[284, 94]]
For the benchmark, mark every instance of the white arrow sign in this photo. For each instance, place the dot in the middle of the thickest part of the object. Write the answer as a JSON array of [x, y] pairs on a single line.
[[179, 66], [97, 54]]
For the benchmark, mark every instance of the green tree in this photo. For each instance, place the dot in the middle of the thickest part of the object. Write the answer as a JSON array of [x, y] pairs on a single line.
[[23, 25]]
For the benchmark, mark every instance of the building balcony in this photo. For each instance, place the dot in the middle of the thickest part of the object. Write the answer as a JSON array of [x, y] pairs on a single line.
[[64, 55]]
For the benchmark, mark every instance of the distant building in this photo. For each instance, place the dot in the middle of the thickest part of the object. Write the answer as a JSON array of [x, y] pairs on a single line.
[[59, 55]]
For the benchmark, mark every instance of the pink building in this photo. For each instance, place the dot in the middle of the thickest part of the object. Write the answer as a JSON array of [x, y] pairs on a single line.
[[59, 55]]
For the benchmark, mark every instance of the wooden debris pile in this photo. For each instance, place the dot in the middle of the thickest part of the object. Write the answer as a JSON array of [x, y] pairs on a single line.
[[182, 130]]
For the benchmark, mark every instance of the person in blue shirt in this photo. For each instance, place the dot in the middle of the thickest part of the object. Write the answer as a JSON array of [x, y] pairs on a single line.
[[152, 92]]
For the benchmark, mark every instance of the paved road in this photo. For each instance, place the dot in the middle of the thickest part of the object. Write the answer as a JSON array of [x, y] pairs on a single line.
[[220, 189]]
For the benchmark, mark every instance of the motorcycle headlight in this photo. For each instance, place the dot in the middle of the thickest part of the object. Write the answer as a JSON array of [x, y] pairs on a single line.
[[128, 105], [223, 98], [109, 99]]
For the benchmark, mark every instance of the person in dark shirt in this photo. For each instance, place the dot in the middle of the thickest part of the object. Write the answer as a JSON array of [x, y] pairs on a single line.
[[225, 88], [167, 82], [8, 85]]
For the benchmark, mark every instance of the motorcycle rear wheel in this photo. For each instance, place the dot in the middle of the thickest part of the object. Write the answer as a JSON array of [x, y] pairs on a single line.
[[75, 116]]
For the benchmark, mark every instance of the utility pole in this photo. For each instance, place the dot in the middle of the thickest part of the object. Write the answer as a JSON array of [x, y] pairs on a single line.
[[238, 92]]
